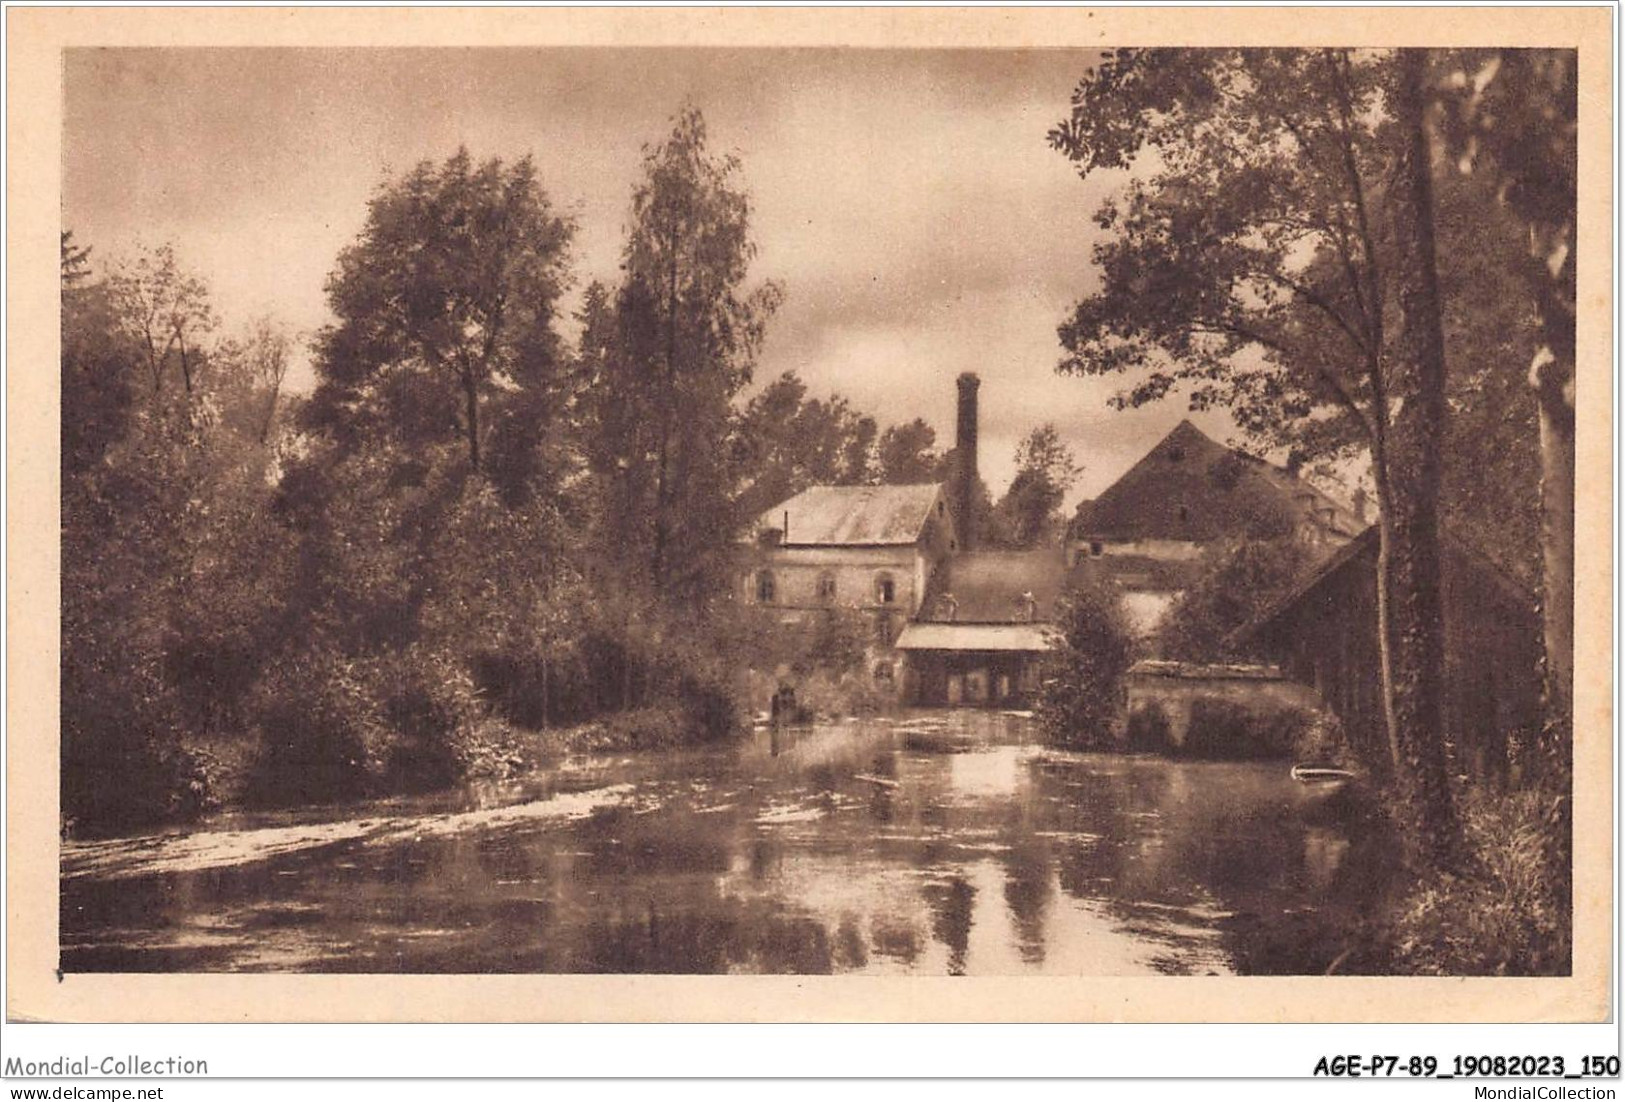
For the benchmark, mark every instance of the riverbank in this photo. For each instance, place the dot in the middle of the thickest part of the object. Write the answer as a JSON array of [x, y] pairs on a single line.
[[1503, 912], [493, 750], [247, 771]]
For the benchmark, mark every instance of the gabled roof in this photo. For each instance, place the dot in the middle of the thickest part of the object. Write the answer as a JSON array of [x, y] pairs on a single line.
[[847, 516], [990, 587], [1366, 544], [1191, 487]]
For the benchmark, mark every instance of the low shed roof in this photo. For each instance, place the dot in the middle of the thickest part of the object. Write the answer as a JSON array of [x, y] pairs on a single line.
[[976, 637], [1457, 554]]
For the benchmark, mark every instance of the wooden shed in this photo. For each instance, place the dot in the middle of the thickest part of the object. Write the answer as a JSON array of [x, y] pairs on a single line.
[[1324, 633], [985, 627]]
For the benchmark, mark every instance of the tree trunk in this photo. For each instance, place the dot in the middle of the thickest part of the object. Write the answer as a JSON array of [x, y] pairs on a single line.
[[471, 400], [662, 490], [270, 414], [657, 565], [1385, 631], [1553, 762], [547, 703], [186, 364], [1410, 556], [1554, 390]]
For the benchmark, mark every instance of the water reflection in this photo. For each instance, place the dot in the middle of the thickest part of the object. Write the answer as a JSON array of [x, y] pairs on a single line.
[[940, 844]]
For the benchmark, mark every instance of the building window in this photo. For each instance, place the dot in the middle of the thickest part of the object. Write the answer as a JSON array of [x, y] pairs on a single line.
[[766, 592], [826, 587], [942, 510], [1096, 548], [1184, 513], [885, 590], [883, 630], [883, 671]]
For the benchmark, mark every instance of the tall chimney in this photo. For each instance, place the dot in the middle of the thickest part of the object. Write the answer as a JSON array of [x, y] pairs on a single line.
[[964, 490]]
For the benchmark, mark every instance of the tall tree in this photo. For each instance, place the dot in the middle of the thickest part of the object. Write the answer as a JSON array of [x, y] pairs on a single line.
[[1045, 470], [166, 310], [787, 441], [618, 441], [1512, 120], [1271, 230], [907, 454], [1409, 560], [269, 348], [687, 336], [1511, 116], [98, 368], [118, 514], [171, 579], [447, 298], [427, 490], [1492, 439]]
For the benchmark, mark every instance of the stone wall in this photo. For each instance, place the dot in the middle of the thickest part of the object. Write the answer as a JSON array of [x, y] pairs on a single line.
[[1177, 687]]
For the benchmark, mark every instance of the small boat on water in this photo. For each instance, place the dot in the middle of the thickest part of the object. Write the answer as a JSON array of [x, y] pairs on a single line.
[[1321, 774], [1327, 792], [940, 741]]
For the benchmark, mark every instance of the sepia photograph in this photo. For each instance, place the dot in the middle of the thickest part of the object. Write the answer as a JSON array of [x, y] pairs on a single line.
[[815, 511]]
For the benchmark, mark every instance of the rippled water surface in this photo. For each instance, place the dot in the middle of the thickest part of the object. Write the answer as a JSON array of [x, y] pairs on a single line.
[[934, 843]]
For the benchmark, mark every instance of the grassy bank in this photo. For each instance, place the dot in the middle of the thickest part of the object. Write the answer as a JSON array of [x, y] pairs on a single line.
[[227, 773], [1503, 912]]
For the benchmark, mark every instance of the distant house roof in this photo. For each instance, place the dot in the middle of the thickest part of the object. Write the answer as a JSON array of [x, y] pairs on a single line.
[[846, 516], [976, 637], [992, 587], [1191, 487]]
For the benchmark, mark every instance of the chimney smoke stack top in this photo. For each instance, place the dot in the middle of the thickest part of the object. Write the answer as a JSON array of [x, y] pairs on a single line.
[[965, 462]]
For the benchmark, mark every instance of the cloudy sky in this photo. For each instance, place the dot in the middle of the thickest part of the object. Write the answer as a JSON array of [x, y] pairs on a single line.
[[906, 200]]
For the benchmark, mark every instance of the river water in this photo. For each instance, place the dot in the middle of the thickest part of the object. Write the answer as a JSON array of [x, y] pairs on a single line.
[[934, 843]]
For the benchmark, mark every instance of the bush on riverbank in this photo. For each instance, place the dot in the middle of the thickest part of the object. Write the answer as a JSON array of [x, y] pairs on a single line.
[[1225, 728], [433, 712], [1149, 728], [1080, 702], [136, 780], [321, 735], [656, 727], [329, 727]]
